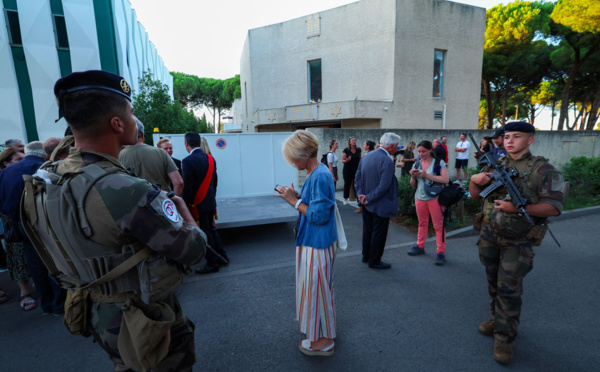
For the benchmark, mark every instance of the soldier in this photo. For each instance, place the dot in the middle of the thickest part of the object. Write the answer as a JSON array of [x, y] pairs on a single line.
[[105, 221], [506, 238]]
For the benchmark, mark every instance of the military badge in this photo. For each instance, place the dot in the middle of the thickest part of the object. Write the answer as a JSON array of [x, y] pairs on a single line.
[[125, 86], [170, 211]]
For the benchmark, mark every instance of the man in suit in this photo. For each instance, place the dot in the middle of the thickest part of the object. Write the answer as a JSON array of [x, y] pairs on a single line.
[[199, 190], [438, 149], [377, 190]]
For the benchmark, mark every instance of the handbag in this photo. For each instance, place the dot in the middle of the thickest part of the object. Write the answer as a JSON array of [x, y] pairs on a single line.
[[432, 189], [342, 242]]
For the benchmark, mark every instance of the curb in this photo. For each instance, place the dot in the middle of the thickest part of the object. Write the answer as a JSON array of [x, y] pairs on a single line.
[[574, 213]]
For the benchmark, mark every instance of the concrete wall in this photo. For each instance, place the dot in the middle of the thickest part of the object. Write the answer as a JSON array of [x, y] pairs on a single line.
[[426, 26], [558, 147], [377, 64], [279, 56]]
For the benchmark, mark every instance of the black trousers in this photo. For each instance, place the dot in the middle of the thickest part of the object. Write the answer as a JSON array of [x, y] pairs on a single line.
[[348, 179], [375, 229], [205, 220]]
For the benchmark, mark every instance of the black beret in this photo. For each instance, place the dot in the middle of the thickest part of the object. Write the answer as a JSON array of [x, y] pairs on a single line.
[[519, 126], [498, 133], [93, 79]]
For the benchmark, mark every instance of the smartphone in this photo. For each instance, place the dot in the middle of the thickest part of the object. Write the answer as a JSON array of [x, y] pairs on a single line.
[[276, 186]]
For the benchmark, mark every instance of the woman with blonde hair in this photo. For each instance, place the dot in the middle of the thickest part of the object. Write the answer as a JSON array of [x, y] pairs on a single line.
[[316, 243], [332, 160], [204, 145]]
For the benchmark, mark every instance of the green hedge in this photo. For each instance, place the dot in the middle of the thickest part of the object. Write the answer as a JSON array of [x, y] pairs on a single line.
[[583, 173]]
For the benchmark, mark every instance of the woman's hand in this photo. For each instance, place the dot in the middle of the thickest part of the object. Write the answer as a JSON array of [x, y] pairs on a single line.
[[288, 194]]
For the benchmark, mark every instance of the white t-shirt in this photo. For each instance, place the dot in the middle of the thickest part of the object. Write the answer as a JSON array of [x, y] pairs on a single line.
[[333, 159], [465, 154]]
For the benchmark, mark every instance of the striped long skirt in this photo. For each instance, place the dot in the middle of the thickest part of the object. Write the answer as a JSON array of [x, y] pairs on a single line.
[[314, 291]]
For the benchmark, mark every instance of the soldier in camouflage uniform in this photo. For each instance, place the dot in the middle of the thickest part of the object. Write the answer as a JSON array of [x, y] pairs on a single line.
[[125, 215], [507, 238]]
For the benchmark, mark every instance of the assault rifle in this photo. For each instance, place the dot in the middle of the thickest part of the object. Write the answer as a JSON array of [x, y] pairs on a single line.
[[502, 177]]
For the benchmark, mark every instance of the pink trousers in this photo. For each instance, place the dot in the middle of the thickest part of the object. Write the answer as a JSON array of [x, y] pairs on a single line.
[[433, 208]]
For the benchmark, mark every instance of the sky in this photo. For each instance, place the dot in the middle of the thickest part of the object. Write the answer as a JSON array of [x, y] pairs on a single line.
[[206, 37]]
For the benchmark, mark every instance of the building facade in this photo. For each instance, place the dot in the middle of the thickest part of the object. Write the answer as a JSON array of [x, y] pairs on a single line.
[[368, 64], [43, 40]]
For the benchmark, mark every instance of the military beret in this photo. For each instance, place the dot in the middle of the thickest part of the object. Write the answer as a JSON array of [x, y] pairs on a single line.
[[519, 126], [92, 79], [498, 133]]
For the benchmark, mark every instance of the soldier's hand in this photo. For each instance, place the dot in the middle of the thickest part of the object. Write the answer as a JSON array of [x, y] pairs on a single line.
[[481, 179], [505, 206], [183, 210]]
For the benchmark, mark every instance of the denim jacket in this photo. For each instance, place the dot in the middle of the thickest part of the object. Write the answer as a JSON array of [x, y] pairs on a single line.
[[318, 229]]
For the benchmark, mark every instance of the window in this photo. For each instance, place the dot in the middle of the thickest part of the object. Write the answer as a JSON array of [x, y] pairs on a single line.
[[315, 93], [14, 27], [60, 31], [438, 74]]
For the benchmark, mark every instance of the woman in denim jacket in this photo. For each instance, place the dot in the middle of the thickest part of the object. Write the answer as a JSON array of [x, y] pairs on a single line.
[[316, 243]]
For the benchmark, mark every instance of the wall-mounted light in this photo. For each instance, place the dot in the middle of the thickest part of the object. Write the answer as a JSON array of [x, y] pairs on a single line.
[[385, 108]]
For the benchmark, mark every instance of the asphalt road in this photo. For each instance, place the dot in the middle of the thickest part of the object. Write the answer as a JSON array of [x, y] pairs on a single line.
[[414, 317]]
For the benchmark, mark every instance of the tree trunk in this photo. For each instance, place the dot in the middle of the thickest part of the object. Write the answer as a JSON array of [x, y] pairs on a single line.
[[504, 103], [218, 122], [487, 89], [591, 122], [552, 120], [564, 104]]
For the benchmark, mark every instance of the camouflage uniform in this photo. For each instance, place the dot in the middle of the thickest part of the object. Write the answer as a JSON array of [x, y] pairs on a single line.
[[124, 210], [507, 239]]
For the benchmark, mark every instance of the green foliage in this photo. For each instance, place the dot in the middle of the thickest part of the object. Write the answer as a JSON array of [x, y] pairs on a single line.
[[579, 15], [512, 58], [583, 174], [214, 94], [406, 197], [153, 107]]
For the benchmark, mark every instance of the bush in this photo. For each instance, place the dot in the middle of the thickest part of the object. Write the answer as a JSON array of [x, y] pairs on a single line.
[[583, 173], [406, 197]]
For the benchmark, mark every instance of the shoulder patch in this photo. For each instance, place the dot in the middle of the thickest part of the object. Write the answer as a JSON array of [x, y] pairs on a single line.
[[169, 210]]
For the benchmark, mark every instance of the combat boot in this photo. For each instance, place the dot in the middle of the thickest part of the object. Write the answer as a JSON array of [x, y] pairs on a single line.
[[503, 353], [487, 328]]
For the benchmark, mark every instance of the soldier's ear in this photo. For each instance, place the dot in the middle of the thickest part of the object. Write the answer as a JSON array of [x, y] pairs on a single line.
[[530, 140], [117, 125]]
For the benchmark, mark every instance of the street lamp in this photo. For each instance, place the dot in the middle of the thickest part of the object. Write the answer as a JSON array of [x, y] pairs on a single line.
[[517, 112]]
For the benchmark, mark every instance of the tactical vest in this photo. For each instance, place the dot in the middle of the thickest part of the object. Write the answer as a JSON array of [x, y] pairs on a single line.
[[514, 225], [54, 216]]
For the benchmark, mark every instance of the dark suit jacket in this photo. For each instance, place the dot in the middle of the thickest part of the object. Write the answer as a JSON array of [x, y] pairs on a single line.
[[440, 153], [195, 167], [12, 184], [178, 165], [376, 180]]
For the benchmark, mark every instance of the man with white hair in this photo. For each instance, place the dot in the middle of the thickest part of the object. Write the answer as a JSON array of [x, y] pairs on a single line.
[[377, 190], [52, 297], [15, 144]]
